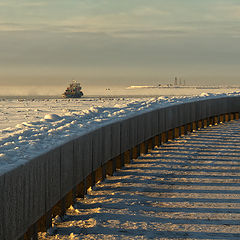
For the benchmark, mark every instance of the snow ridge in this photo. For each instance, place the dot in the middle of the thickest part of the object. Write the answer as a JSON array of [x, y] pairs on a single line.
[[65, 120]]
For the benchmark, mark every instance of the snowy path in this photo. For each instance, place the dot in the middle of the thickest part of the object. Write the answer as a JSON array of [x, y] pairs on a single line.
[[186, 189]]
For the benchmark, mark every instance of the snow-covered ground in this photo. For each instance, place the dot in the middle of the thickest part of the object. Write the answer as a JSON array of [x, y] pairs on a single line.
[[29, 127]]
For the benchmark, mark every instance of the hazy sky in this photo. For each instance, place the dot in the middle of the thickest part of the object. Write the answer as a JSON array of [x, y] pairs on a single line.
[[126, 42]]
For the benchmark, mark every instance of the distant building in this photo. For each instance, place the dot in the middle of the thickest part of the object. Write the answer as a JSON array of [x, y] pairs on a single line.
[[175, 81]]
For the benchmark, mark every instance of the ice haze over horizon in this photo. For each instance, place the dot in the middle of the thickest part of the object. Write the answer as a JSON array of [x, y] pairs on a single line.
[[109, 42]]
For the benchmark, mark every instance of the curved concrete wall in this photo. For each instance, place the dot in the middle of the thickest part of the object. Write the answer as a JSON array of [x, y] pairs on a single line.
[[40, 188]]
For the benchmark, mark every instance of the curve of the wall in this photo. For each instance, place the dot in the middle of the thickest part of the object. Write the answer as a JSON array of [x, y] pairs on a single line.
[[45, 186]]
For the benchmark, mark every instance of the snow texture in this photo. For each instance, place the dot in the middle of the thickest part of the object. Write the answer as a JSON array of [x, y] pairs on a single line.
[[31, 127], [186, 189]]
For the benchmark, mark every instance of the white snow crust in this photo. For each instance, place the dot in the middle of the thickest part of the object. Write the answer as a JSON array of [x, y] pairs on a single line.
[[30, 127]]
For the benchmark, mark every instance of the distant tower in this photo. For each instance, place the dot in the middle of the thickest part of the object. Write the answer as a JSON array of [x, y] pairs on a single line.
[[184, 82], [175, 81], [180, 81]]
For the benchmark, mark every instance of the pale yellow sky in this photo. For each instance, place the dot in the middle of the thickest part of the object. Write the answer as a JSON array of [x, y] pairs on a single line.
[[119, 42]]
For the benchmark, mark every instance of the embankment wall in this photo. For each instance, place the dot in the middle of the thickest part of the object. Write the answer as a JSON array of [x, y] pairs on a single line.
[[33, 193]]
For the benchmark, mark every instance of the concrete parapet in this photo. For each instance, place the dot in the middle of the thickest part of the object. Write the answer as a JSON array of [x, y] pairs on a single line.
[[125, 135], [97, 148], [154, 124], [133, 132], [16, 194], [115, 139], [46, 185], [161, 120], [140, 126], [2, 209], [169, 118], [187, 113], [66, 167], [107, 143], [84, 149], [235, 104]]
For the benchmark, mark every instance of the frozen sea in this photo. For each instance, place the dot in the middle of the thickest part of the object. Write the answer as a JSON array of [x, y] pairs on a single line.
[[30, 126]]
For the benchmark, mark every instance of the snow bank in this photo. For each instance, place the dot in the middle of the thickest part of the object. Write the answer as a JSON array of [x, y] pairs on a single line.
[[51, 122], [51, 117]]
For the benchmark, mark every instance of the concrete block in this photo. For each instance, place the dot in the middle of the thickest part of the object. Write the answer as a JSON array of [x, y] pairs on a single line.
[[181, 114], [198, 105], [169, 118], [79, 158], [15, 199], [175, 116], [154, 124], [215, 106], [208, 108], [147, 125], [115, 139], [97, 149], [133, 132], [67, 167], [193, 110], [227, 106], [107, 143], [231, 104], [223, 106], [125, 135], [203, 109], [186, 113], [36, 188], [53, 177], [235, 104], [189, 112], [140, 128], [161, 120], [2, 208]]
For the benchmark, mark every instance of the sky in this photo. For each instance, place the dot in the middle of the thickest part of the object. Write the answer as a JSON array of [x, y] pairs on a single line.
[[112, 42]]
